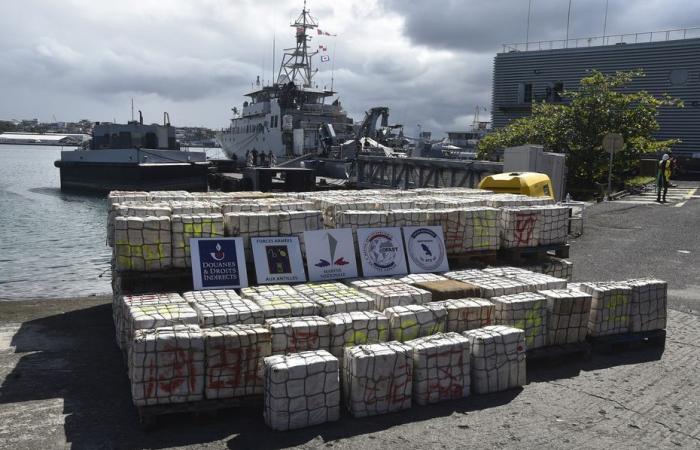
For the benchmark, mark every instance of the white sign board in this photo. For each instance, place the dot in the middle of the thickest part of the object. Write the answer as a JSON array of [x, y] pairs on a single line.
[[381, 251], [613, 142], [278, 260], [425, 248], [330, 254], [218, 263]]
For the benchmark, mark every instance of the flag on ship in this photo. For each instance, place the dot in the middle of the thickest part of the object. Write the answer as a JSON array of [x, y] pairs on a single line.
[[324, 33], [325, 58]]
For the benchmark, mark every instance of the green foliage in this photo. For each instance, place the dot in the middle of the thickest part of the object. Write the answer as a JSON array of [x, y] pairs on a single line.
[[7, 126], [603, 104], [639, 181]]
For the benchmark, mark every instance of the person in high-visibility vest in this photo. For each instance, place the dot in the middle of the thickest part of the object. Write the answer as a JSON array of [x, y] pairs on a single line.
[[662, 178]]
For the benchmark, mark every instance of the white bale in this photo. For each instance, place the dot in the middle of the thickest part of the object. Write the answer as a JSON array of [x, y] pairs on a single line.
[[496, 286], [506, 271], [301, 390], [334, 298], [648, 303], [468, 228], [120, 304], [440, 368], [555, 224], [567, 315], [278, 300], [526, 311], [167, 196], [147, 316], [377, 378], [115, 197], [193, 207], [361, 219], [370, 282], [223, 307], [356, 328], [401, 294], [413, 278], [467, 275], [414, 321], [556, 267], [467, 313], [188, 226], [541, 281], [520, 227], [299, 334], [516, 200], [142, 243], [166, 365], [610, 307], [133, 209], [497, 358], [234, 360]]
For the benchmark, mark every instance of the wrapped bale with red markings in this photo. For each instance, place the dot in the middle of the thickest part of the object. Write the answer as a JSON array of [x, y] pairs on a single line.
[[299, 334], [520, 227], [166, 365], [377, 378], [234, 360], [119, 311], [440, 368], [391, 295], [467, 313], [356, 328], [301, 390]]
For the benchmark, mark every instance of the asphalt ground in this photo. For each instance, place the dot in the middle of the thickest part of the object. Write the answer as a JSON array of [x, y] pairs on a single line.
[[63, 383]]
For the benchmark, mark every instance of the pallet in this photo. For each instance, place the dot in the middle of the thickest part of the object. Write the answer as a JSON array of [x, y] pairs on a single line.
[[473, 259], [555, 353], [148, 415], [616, 343], [532, 255]]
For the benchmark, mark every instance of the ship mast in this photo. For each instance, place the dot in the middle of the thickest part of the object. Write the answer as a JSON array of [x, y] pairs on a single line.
[[296, 62]]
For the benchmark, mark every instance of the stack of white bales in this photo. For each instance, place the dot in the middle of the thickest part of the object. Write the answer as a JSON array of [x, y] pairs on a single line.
[[223, 307], [271, 223], [399, 294], [189, 226], [334, 297], [142, 244], [277, 300]]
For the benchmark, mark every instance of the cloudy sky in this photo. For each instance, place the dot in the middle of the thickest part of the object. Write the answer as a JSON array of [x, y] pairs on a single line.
[[429, 61]]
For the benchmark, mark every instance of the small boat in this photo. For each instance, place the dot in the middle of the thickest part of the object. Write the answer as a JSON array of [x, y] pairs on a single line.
[[133, 157]]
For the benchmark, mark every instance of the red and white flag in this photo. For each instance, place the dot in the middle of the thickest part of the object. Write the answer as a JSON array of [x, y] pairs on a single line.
[[323, 47], [324, 33]]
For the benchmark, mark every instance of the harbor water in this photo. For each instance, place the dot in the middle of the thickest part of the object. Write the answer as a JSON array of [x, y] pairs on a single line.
[[52, 244]]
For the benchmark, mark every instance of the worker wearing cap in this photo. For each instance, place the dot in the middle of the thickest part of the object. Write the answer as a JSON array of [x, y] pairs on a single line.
[[663, 177]]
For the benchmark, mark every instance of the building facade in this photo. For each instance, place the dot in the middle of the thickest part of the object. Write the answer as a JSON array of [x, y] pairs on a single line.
[[671, 67]]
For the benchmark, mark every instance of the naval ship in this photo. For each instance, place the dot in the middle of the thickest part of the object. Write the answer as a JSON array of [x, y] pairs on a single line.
[[293, 116]]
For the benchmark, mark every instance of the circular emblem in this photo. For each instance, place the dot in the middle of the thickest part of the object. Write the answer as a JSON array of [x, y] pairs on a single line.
[[380, 250], [425, 249]]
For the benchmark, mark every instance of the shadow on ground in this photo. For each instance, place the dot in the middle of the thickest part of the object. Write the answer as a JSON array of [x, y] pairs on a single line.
[[73, 356]]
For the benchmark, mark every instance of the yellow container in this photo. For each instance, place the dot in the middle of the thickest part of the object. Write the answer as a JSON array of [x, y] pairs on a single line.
[[527, 183]]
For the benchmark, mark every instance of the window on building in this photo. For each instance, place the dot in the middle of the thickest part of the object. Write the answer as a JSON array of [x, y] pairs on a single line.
[[555, 91], [525, 93]]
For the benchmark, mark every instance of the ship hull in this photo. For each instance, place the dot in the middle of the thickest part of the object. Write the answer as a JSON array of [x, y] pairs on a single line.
[[104, 177]]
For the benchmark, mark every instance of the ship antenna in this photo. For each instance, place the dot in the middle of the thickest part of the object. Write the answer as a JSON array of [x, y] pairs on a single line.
[[273, 59]]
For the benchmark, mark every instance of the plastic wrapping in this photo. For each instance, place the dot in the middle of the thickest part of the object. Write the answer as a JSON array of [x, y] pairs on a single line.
[[121, 305], [301, 390], [299, 334], [467, 314], [223, 307], [567, 315], [610, 308], [440, 368], [377, 378], [390, 295], [357, 328], [497, 358], [186, 227], [648, 304], [143, 244], [279, 300], [526, 311], [333, 297], [234, 360], [414, 321]]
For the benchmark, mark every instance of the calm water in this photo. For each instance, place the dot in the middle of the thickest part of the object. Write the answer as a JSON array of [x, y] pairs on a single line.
[[51, 244]]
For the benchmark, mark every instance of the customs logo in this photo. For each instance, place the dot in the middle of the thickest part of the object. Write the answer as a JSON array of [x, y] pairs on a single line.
[[380, 250], [425, 249]]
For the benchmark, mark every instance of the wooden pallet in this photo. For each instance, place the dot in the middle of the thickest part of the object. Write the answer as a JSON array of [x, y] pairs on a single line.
[[555, 353], [473, 259], [148, 415], [532, 255], [616, 343]]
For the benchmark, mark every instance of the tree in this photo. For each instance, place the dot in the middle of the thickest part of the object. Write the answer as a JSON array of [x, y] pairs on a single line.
[[7, 126], [603, 104]]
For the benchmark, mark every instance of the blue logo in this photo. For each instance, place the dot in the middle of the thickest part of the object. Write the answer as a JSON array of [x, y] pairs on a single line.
[[218, 263]]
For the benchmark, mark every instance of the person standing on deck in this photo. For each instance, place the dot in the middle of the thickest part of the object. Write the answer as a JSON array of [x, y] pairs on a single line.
[[662, 178]]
